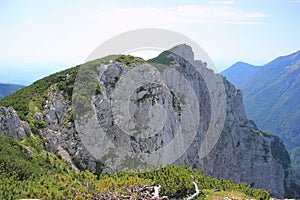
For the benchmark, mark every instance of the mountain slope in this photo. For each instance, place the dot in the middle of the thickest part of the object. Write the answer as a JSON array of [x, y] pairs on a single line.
[[271, 99], [7, 89], [30, 172], [240, 72], [275, 91], [48, 107]]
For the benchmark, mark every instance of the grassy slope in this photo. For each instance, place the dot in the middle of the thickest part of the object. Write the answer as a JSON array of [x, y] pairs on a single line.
[[41, 174]]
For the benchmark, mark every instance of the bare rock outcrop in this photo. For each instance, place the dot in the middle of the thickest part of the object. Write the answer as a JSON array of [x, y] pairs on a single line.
[[11, 125]]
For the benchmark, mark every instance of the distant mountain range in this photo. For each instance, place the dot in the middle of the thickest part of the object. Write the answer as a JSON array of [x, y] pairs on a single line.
[[7, 89], [271, 95], [240, 72]]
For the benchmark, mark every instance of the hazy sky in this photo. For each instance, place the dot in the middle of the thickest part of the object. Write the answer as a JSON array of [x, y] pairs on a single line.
[[47, 36]]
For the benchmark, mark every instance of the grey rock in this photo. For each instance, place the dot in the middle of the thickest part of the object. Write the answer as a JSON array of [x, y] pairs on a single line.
[[27, 150], [56, 110], [242, 153], [11, 125]]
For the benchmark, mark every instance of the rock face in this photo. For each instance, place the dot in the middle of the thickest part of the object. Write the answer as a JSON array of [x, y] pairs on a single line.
[[11, 125], [186, 96], [243, 152], [61, 136]]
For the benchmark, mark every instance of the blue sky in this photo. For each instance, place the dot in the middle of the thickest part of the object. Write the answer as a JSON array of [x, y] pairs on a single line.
[[41, 37]]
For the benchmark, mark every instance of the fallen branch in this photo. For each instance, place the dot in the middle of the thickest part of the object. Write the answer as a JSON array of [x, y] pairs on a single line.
[[156, 191], [134, 193], [156, 194], [196, 188]]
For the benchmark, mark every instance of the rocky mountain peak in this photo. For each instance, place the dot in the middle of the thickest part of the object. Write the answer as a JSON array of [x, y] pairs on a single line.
[[184, 51], [185, 94]]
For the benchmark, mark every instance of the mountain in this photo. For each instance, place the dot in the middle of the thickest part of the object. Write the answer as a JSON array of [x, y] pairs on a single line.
[[275, 89], [125, 98], [7, 89], [240, 72], [271, 99]]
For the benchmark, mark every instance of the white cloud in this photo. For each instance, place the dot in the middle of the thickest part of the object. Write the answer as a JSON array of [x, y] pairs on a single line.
[[220, 14]]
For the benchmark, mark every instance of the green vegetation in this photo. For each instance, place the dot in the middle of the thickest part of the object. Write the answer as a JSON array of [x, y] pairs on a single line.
[[176, 182], [31, 99], [86, 85], [128, 60], [40, 174], [36, 173], [107, 59], [212, 195], [162, 59]]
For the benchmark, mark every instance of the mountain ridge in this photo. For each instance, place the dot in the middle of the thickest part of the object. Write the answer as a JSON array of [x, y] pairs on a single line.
[[244, 70], [8, 88], [271, 99]]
